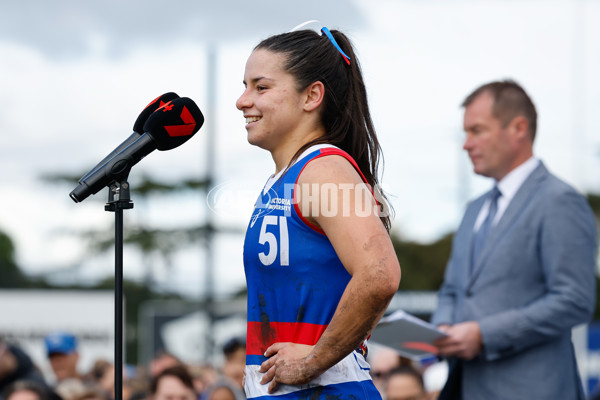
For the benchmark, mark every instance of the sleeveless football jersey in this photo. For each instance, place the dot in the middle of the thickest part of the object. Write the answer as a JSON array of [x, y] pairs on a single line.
[[295, 281]]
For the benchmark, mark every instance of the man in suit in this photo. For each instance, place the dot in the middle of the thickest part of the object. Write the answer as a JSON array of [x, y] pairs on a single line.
[[521, 272]]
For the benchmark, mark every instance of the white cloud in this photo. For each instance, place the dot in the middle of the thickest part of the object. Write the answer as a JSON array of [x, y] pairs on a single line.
[[64, 113]]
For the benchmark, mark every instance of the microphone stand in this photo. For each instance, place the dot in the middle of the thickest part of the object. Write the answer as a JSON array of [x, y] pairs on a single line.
[[119, 200]]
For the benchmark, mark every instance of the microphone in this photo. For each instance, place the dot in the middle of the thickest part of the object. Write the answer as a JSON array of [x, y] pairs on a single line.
[[169, 126], [138, 129]]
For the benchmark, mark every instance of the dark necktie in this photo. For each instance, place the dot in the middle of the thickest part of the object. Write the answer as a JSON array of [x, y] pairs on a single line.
[[482, 234]]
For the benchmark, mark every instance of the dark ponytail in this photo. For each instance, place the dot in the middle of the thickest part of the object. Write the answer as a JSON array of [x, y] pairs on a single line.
[[345, 115]]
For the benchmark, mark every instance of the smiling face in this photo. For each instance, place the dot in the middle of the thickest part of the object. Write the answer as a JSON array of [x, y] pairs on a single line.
[[271, 103]]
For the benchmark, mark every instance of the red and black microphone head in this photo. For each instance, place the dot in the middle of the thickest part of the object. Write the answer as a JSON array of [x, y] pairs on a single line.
[[138, 128], [158, 102], [167, 127], [174, 123]]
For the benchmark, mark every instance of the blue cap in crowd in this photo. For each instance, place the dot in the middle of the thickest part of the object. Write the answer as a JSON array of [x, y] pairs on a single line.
[[60, 342]]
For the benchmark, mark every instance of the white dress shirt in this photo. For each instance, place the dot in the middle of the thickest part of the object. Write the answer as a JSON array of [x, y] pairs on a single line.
[[508, 186]]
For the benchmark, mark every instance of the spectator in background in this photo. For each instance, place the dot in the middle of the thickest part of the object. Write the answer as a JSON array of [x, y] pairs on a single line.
[[161, 361], [61, 349], [434, 377], [383, 360], [173, 383], [203, 376], [405, 383], [235, 350], [26, 390], [99, 370], [235, 360], [522, 270], [102, 377], [16, 365], [224, 389], [92, 393], [71, 388], [135, 388]]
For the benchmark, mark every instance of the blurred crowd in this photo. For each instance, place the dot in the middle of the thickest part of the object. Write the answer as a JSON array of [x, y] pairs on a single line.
[[400, 378], [164, 378], [168, 378]]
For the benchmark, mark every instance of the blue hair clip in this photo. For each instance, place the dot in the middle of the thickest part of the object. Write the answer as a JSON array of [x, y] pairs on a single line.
[[337, 46]]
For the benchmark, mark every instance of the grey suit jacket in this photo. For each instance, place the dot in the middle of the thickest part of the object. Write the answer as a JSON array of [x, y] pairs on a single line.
[[534, 281]]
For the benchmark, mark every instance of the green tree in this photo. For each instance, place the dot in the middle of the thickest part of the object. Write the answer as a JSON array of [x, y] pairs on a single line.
[[10, 275], [422, 265], [594, 200]]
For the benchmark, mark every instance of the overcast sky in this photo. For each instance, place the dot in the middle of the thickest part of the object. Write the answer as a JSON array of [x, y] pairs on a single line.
[[75, 74]]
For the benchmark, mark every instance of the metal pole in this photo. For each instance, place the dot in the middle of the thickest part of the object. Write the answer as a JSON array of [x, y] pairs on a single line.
[[118, 303], [210, 231], [118, 200]]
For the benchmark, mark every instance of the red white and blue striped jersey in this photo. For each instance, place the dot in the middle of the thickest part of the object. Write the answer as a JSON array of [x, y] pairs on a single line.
[[295, 281]]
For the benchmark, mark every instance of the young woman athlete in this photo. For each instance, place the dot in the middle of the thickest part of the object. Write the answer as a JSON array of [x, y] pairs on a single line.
[[319, 262]]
